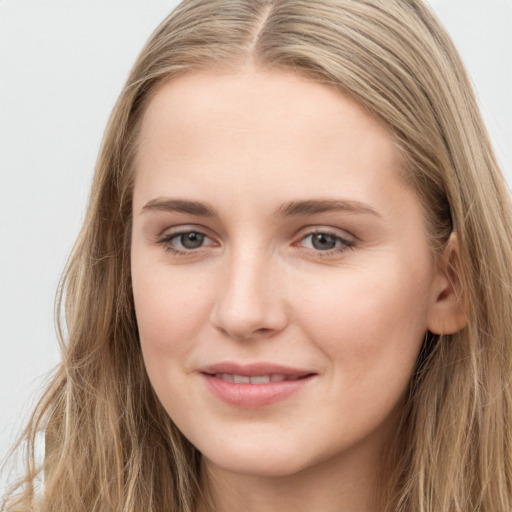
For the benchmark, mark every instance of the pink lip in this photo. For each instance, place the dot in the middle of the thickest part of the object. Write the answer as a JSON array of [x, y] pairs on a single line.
[[254, 369], [251, 396]]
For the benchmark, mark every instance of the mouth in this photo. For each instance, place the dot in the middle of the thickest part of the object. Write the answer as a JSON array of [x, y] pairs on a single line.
[[256, 379], [254, 373], [255, 385]]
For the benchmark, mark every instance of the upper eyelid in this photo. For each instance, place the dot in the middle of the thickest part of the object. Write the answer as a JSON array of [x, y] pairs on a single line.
[[345, 241], [184, 228], [337, 232]]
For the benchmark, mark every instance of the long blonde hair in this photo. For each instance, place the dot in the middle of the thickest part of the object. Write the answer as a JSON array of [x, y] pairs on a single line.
[[110, 446]]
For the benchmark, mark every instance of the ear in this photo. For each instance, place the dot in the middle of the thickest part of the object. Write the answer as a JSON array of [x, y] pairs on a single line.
[[448, 312]]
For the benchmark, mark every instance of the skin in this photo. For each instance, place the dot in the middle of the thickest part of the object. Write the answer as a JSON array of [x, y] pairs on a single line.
[[258, 289]]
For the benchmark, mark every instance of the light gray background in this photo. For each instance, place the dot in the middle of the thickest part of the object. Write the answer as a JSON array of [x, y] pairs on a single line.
[[62, 64]]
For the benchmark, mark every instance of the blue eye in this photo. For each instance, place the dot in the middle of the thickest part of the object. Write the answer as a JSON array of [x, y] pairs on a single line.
[[185, 241], [190, 240], [322, 241]]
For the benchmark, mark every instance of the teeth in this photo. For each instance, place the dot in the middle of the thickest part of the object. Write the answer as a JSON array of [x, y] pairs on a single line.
[[256, 379], [264, 379]]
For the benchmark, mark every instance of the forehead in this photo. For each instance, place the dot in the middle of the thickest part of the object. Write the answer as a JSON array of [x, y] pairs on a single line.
[[255, 128], [260, 103]]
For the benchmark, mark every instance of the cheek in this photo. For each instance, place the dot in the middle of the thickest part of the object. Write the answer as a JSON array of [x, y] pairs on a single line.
[[170, 308], [170, 312], [370, 322]]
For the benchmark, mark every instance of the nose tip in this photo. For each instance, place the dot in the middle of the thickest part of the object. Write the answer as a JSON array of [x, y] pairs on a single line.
[[249, 305], [252, 316], [243, 331]]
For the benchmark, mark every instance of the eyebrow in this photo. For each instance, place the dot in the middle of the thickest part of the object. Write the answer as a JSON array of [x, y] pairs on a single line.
[[291, 209], [312, 207], [180, 205]]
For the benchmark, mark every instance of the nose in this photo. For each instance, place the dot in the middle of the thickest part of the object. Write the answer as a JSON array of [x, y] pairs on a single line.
[[249, 302]]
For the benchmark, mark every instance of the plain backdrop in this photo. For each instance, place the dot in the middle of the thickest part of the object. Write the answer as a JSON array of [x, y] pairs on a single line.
[[62, 65]]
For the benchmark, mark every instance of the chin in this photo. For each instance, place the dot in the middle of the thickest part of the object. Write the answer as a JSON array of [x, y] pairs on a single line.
[[260, 466], [258, 459]]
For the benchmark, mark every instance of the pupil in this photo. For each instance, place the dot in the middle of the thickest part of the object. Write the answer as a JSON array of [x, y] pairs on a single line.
[[192, 240], [323, 242]]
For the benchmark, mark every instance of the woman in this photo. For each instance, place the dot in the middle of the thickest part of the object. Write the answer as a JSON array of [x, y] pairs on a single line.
[[292, 287]]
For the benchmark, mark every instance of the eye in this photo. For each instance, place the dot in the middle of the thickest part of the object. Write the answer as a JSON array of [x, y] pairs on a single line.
[[190, 240], [326, 242], [185, 242]]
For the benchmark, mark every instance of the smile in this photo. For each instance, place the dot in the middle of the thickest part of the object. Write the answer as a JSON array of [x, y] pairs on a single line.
[[256, 379], [255, 385]]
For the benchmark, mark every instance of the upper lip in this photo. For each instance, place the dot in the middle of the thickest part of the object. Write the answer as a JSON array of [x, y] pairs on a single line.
[[254, 369]]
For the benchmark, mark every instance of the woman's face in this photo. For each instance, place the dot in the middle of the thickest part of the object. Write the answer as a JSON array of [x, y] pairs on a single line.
[[281, 274]]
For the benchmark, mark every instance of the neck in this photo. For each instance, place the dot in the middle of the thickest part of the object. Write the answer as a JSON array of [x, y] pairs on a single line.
[[342, 484]]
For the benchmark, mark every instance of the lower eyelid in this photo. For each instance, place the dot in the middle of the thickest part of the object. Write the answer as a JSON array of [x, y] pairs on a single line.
[[330, 253]]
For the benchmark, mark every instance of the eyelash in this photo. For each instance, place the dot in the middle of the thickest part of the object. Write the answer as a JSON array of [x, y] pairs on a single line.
[[346, 244]]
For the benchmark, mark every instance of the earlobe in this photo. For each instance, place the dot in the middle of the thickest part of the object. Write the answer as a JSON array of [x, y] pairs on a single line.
[[448, 312]]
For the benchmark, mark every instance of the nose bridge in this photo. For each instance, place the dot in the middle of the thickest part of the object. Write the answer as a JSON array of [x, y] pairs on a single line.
[[249, 301]]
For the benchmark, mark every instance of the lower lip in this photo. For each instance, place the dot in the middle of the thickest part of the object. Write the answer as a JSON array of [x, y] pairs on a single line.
[[252, 396]]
